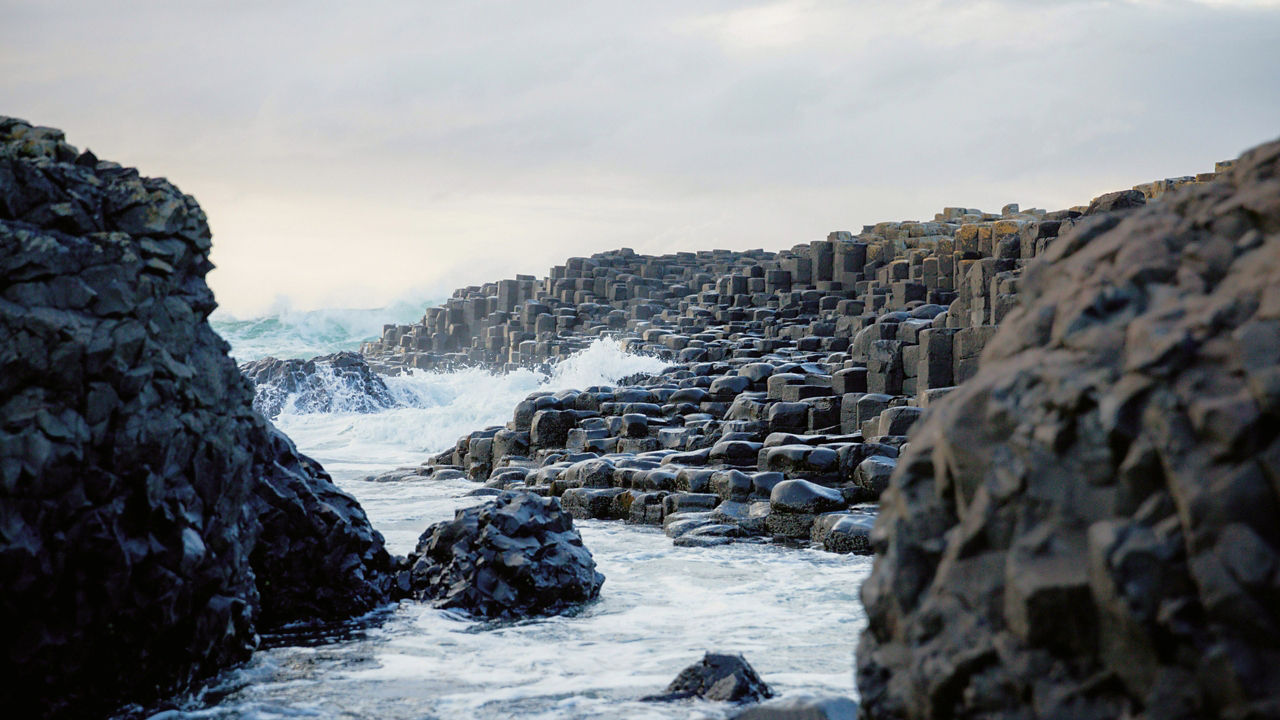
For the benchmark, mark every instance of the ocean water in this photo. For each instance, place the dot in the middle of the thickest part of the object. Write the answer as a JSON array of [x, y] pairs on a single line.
[[286, 332], [794, 614]]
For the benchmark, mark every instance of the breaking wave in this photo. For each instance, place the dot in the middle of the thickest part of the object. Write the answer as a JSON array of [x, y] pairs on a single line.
[[434, 408]]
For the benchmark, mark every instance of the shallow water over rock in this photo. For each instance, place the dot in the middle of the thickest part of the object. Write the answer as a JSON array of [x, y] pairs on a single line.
[[792, 613]]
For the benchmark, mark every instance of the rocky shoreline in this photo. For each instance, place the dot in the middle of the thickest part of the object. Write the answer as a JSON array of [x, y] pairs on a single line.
[[1069, 420], [1056, 431], [794, 377]]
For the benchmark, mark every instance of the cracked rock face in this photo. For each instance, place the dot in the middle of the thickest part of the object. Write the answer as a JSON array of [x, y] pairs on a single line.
[[150, 519], [1090, 527], [518, 555]]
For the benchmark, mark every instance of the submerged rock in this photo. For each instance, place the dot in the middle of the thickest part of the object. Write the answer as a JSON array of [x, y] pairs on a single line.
[[717, 677], [341, 382], [152, 520], [518, 555], [1090, 527]]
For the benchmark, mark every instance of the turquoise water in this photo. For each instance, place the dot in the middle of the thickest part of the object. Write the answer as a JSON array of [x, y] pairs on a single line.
[[284, 332]]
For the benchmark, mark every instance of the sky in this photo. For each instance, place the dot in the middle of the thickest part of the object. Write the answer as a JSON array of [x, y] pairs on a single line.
[[356, 153]]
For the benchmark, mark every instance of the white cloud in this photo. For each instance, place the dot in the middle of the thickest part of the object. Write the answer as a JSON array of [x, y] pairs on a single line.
[[402, 144]]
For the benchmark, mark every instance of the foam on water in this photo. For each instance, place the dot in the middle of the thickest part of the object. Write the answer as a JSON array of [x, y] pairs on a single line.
[[436, 408], [794, 614]]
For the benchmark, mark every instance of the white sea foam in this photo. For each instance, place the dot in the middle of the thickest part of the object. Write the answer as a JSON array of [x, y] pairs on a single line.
[[435, 408]]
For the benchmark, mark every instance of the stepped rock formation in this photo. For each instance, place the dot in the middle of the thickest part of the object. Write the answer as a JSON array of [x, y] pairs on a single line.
[[150, 519], [794, 381], [1090, 527]]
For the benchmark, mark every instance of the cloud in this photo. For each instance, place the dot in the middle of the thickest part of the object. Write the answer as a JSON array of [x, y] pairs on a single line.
[[391, 145]]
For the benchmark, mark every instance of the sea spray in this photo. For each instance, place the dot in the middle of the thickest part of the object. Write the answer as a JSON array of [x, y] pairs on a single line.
[[285, 332], [435, 408]]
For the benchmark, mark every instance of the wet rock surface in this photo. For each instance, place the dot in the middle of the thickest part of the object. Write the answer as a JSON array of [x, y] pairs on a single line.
[[152, 520], [515, 556], [1090, 526], [717, 677], [330, 383]]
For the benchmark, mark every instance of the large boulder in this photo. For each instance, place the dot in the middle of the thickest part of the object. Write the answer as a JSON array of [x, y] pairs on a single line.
[[719, 677], [341, 382], [515, 556], [802, 707], [152, 521], [1090, 527]]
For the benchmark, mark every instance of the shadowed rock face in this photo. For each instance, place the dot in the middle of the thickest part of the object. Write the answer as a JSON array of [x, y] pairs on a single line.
[[338, 382], [150, 519], [1090, 527], [518, 555]]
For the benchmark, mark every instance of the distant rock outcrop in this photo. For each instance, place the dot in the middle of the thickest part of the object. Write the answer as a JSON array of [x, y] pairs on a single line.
[[338, 382], [1090, 527], [150, 519]]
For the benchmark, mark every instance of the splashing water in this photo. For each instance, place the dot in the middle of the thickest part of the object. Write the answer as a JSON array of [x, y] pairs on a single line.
[[288, 333], [436, 408], [793, 613]]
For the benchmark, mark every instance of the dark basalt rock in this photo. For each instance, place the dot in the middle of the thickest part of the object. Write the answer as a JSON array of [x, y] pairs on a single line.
[[717, 677], [516, 556], [339, 382], [1090, 527], [152, 520], [316, 556]]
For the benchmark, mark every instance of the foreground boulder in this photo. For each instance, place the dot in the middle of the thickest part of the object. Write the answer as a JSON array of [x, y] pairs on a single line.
[[1090, 527], [152, 520], [316, 557], [341, 382], [717, 677], [518, 555]]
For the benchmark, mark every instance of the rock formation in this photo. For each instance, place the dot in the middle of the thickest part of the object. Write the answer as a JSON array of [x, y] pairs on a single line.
[[330, 383], [1090, 527], [717, 677], [795, 376], [1069, 419], [152, 520], [514, 556]]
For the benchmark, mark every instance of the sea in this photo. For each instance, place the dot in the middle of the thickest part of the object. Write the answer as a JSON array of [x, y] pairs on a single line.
[[793, 614]]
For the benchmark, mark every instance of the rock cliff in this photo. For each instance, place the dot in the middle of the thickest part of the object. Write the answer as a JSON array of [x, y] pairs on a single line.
[[150, 519], [1090, 527]]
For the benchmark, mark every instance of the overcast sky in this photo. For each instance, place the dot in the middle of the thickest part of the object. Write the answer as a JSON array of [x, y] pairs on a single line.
[[354, 152]]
